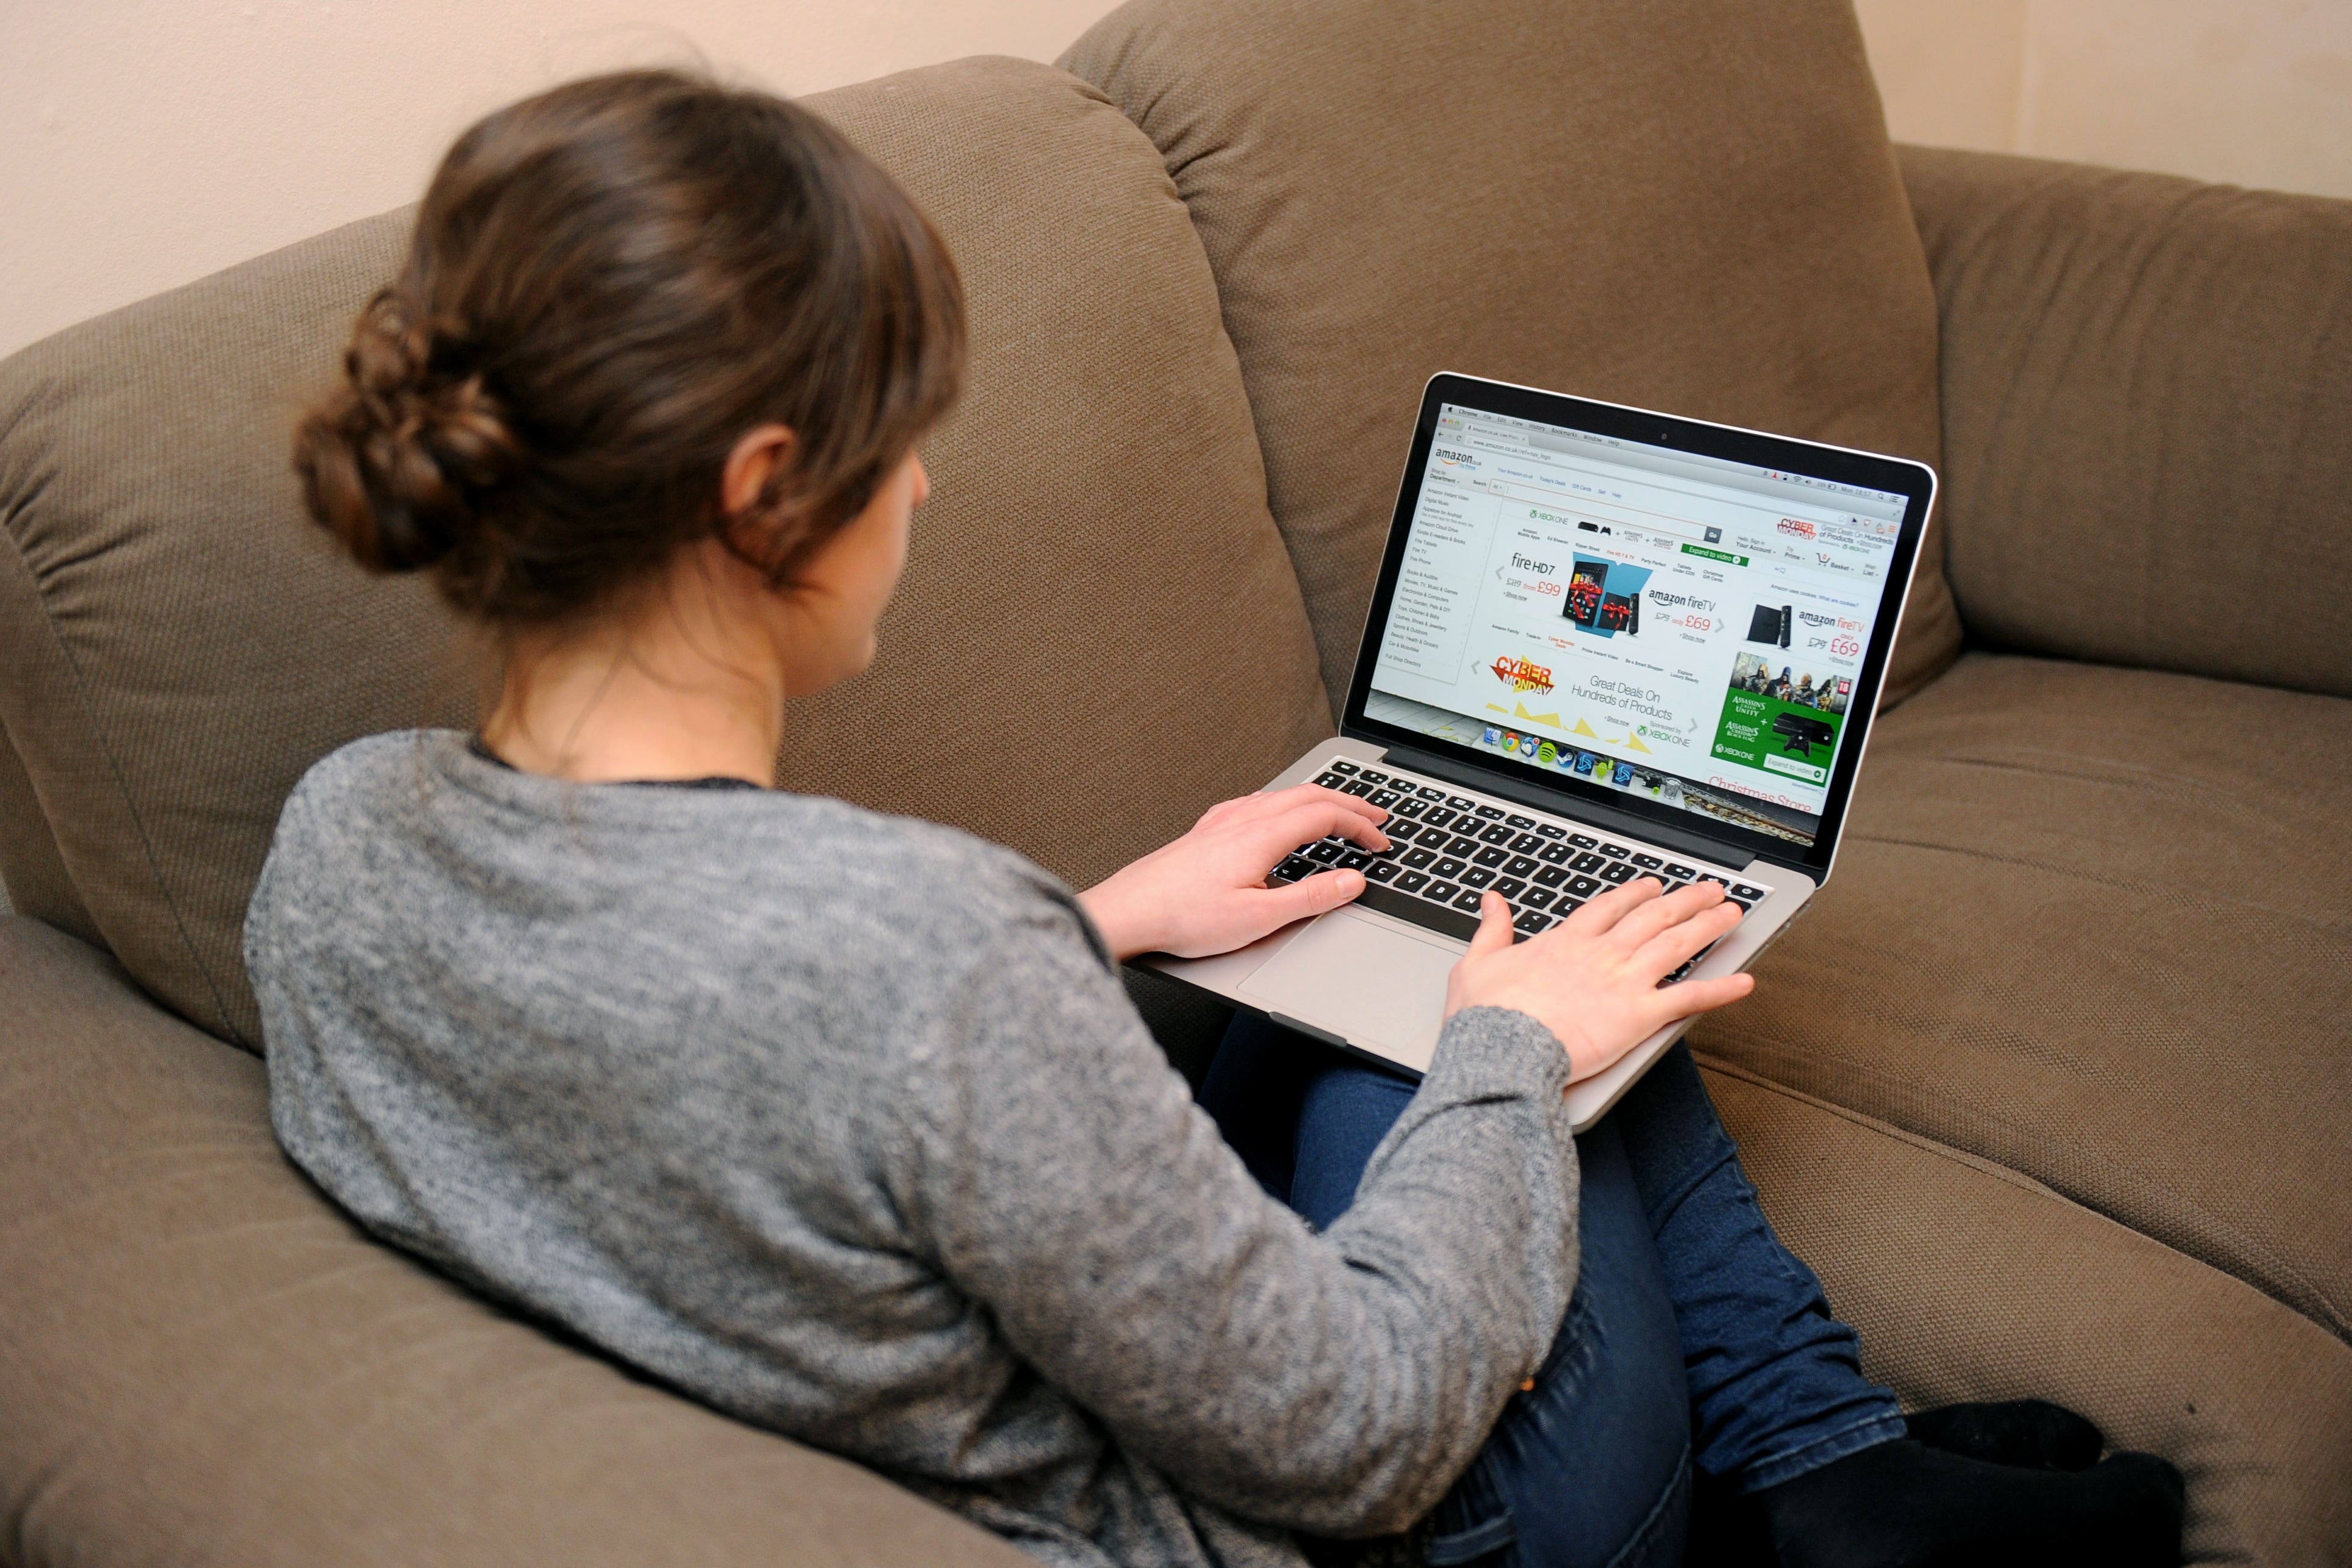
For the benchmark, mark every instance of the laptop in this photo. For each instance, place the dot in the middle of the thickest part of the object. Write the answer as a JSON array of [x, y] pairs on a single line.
[[1605, 643]]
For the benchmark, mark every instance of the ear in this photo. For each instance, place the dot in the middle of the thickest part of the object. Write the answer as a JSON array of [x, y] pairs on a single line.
[[756, 460]]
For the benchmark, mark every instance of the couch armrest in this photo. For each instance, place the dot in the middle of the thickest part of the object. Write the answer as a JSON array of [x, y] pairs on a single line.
[[204, 1363], [2148, 415]]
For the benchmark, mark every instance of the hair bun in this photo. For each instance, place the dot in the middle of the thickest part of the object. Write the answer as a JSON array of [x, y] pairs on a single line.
[[396, 463]]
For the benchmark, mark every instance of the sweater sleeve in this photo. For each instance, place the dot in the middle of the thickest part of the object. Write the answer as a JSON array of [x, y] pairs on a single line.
[[1337, 1383]]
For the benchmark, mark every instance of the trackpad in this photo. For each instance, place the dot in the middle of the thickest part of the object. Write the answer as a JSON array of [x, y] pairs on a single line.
[[1374, 986]]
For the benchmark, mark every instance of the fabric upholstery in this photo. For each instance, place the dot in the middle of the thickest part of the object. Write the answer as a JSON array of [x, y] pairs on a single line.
[[1968, 1282], [205, 1363], [181, 646], [33, 878], [2073, 929], [2147, 440], [1689, 205]]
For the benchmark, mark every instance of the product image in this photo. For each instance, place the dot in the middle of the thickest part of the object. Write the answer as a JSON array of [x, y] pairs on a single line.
[[1771, 625]]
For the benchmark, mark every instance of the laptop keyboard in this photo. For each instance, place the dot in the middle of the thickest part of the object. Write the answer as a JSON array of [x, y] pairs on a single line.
[[1446, 849]]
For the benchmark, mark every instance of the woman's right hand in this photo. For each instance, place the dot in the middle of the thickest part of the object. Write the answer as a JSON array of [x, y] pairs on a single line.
[[1592, 979]]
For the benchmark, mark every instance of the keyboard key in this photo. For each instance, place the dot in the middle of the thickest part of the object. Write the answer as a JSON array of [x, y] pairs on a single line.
[[1537, 898], [1587, 861], [1462, 845], [1389, 901], [1550, 875], [1438, 818], [1744, 891], [1584, 840], [1711, 876], [1583, 886], [1510, 887], [1449, 866], [1354, 860], [1460, 802], [1549, 831], [1496, 834], [1357, 787], [1382, 870], [1413, 881], [1532, 921], [1412, 807], [1343, 768], [1520, 821], [1489, 810], [1478, 877], [1330, 781], [1441, 892], [1383, 798], [1615, 851], [1493, 854], [1469, 902], [1684, 872], [1371, 777], [1647, 862], [1417, 859], [1520, 865], [1297, 869], [1526, 844], [1618, 872], [1426, 793], [1744, 905], [1556, 853], [1325, 853]]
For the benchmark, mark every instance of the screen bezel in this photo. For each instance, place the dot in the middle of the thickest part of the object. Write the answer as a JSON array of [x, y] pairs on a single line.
[[1916, 482]]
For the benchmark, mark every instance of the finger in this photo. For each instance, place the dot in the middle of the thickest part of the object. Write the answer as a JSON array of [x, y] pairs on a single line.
[[1310, 820], [1323, 891], [1605, 912], [1686, 938], [1640, 925], [1274, 803], [1494, 932], [1694, 997]]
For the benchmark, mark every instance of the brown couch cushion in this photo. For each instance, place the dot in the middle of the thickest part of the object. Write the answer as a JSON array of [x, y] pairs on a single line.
[[205, 1363], [1690, 205], [1970, 1283], [2096, 925], [180, 646], [2148, 436]]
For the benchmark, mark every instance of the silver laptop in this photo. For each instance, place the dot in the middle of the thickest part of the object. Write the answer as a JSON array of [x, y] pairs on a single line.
[[1604, 643]]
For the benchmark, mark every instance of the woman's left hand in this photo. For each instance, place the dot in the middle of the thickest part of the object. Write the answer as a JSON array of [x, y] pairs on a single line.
[[1206, 892]]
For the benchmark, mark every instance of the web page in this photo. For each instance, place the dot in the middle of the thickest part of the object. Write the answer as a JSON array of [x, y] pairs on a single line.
[[1683, 629]]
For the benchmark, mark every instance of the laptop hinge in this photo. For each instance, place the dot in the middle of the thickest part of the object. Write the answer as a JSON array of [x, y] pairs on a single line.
[[1667, 837]]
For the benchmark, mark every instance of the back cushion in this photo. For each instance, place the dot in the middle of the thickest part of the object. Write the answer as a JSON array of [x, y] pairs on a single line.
[[2148, 394], [1099, 634], [1685, 205]]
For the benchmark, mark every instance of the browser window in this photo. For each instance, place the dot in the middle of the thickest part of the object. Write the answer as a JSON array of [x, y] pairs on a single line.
[[1684, 628]]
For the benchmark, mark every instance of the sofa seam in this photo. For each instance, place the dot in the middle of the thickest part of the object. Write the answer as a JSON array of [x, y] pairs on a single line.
[[123, 786], [2335, 1321]]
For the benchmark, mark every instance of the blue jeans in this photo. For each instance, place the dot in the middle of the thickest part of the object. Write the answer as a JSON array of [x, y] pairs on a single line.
[[1693, 1338]]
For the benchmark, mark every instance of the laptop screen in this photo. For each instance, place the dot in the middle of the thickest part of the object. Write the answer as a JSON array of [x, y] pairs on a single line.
[[1683, 629]]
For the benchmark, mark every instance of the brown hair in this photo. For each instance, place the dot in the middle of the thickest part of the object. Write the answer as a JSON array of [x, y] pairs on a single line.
[[609, 285]]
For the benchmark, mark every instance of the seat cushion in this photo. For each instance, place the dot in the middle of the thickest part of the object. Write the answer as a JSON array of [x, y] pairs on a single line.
[[2095, 925], [205, 1363], [1684, 205], [1099, 634], [2146, 438], [1969, 1282]]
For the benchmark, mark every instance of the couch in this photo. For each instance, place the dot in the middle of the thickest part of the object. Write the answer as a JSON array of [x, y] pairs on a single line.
[[2050, 1085]]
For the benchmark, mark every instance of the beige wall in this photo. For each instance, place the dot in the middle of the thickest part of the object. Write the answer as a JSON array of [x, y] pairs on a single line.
[[145, 143], [2257, 92]]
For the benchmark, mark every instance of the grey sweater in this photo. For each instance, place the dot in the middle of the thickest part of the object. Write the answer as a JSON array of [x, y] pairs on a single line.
[[844, 1123]]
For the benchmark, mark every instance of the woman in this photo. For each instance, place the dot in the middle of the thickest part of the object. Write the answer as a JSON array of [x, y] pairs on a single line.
[[843, 1123]]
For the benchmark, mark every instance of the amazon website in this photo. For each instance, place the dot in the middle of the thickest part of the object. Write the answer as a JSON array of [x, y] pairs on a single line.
[[1684, 628]]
